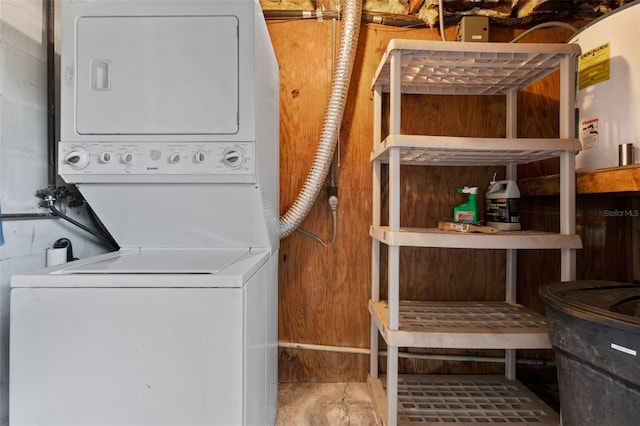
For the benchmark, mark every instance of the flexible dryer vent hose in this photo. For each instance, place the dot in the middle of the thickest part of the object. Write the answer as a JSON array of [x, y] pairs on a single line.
[[333, 117]]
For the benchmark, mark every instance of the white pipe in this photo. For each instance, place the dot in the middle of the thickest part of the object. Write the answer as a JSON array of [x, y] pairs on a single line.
[[408, 355], [441, 19], [333, 118], [324, 348]]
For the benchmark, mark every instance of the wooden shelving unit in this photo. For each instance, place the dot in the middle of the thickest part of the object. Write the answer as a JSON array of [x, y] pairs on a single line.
[[453, 68]]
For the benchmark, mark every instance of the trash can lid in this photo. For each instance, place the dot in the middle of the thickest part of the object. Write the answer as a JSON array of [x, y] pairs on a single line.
[[601, 301]]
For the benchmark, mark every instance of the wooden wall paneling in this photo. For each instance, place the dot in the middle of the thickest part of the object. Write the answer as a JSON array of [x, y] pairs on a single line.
[[429, 195], [604, 223], [323, 291], [604, 227], [449, 365]]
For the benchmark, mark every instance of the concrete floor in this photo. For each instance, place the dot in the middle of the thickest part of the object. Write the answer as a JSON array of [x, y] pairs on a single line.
[[324, 404]]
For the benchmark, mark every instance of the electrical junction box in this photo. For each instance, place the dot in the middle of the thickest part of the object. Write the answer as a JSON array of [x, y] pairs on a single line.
[[473, 28]]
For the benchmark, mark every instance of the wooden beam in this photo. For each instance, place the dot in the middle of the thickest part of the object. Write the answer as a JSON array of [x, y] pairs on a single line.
[[414, 6], [610, 180]]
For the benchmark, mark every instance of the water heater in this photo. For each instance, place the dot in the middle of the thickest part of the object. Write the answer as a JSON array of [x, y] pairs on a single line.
[[608, 87]]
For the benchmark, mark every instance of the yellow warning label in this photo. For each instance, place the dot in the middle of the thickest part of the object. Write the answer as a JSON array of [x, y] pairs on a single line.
[[594, 66]]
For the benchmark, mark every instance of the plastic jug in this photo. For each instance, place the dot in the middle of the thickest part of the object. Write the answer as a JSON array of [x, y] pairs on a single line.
[[503, 205]]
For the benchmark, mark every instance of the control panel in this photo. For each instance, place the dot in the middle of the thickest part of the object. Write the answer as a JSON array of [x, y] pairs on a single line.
[[156, 162]]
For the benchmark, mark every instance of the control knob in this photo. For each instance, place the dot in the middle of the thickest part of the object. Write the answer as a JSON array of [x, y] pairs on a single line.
[[127, 158], [233, 157], [105, 157], [78, 158], [200, 156], [174, 158]]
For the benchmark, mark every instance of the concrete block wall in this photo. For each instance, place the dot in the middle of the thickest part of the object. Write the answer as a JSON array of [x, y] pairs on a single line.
[[23, 161]]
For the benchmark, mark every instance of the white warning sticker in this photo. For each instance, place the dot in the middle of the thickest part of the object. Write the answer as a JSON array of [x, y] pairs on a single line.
[[589, 134]]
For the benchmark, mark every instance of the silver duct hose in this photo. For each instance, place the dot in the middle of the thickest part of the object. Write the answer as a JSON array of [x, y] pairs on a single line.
[[352, 12]]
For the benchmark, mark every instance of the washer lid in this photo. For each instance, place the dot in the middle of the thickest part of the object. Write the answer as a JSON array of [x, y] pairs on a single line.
[[159, 262], [152, 268]]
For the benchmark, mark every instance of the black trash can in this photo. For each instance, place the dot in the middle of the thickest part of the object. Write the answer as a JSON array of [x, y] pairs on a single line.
[[594, 327]]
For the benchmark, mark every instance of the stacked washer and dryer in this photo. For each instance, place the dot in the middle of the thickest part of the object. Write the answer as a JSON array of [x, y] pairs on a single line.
[[169, 129]]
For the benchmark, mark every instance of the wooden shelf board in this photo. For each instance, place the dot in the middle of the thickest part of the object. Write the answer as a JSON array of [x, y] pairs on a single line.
[[610, 180]]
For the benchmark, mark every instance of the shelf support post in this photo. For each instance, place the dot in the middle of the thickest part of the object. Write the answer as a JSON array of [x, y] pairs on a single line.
[[511, 265], [392, 385], [395, 92], [567, 213], [394, 188], [567, 165], [394, 226], [377, 115], [376, 221]]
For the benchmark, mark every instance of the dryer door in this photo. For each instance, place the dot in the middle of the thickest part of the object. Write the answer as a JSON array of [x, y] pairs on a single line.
[[143, 75]]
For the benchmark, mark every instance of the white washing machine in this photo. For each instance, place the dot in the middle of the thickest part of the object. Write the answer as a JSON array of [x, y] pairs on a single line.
[[169, 128], [157, 337]]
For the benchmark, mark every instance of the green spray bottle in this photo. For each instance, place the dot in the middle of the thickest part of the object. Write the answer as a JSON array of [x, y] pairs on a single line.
[[467, 212]]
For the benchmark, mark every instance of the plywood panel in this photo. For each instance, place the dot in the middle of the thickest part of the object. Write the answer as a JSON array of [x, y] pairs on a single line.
[[324, 291]]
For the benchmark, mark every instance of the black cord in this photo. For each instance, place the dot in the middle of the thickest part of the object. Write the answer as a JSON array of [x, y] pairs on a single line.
[[97, 223], [65, 243], [78, 224]]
